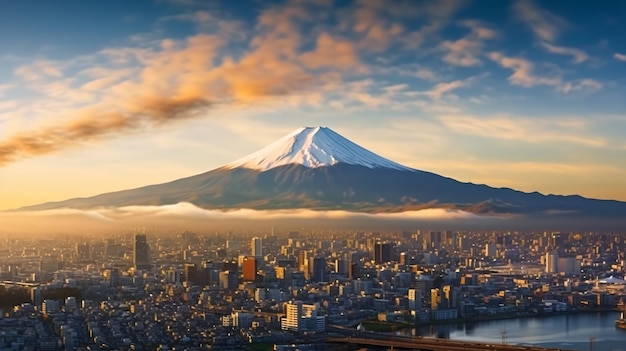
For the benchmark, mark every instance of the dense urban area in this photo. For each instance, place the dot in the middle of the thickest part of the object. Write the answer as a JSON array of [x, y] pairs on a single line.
[[144, 290]]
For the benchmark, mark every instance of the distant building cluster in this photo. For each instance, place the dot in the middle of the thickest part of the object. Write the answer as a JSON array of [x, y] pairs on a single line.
[[164, 291]]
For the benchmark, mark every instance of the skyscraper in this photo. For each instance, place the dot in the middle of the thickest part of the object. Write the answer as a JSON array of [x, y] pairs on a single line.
[[319, 270], [141, 254], [382, 252], [257, 247], [249, 269]]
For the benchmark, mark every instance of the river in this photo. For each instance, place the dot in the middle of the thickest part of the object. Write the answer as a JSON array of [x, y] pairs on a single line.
[[584, 331]]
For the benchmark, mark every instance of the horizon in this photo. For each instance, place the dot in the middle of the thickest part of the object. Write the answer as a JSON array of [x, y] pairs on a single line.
[[524, 95]]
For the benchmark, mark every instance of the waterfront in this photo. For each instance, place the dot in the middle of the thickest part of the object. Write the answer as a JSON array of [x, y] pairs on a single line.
[[573, 332]]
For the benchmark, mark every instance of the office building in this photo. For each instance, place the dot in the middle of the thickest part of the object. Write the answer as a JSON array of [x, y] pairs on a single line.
[[257, 247], [141, 252], [382, 252], [249, 269], [319, 270], [303, 317]]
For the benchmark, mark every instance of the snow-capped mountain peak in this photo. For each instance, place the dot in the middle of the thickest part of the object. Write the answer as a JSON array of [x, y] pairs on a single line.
[[313, 147]]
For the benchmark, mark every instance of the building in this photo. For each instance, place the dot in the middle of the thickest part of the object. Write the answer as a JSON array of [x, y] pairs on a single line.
[[257, 247], [141, 252], [241, 319], [415, 299], [50, 306], [319, 270], [552, 262], [82, 251], [302, 318], [341, 267], [382, 252], [229, 280], [491, 250], [249, 269], [568, 265], [435, 298], [112, 277], [433, 240], [191, 273]]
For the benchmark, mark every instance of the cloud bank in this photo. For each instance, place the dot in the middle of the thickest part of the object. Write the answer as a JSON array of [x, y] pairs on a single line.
[[186, 215]]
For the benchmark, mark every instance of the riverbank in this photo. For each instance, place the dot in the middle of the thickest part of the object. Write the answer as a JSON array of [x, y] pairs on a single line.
[[574, 330], [514, 315]]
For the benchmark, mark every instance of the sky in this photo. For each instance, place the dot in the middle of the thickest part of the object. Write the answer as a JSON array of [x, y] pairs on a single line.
[[103, 96]]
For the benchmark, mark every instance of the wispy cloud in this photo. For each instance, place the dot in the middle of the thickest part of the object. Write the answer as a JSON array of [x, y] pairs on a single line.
[[524, 129], [523, 75], [545, 25], [467, 50], [619, 57], [578, 56]]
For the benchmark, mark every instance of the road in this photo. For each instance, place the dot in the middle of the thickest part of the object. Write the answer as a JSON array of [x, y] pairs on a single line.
[[432, 344]]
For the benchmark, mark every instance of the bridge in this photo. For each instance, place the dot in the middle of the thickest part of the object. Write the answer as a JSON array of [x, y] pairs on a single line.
[[432, 344]]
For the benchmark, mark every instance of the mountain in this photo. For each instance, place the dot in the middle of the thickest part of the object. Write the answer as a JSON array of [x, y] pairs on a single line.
[[316, 168]]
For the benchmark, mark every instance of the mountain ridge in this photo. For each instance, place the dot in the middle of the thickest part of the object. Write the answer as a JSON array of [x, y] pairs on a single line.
[[338, 175]]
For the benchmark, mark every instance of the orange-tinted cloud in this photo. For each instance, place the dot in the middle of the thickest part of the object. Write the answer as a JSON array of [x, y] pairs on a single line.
[[171, 79]]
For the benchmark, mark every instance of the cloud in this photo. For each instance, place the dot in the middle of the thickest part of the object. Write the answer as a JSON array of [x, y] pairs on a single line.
[[94, 125], [185, 216], [186, 210], [545, 25], [528, 130], [443, 89], [120, 90], [578, 56], [583, 85], [522, 71], [466, 51], [172, 79], [523, 76], [619, 57]]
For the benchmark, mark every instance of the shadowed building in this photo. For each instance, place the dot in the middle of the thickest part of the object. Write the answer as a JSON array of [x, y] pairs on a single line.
[[141, 252]]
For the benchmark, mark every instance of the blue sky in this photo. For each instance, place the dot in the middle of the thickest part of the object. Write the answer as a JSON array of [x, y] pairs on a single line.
[[103, 96]]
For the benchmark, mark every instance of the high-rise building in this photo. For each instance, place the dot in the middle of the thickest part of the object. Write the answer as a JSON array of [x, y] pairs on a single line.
[[355, 271], [382, 252], [341, 266], [552, 262], [435, 298], [433, 240], [415, 299], [141, 252], [249, 269], [302, 317], [228, 280], [257, 247], [191, 273], [319, 270], [82, 251], [491, 250]]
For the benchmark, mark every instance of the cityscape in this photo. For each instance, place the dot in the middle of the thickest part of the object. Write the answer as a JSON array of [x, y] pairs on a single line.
[[312, 175], [231, 291]]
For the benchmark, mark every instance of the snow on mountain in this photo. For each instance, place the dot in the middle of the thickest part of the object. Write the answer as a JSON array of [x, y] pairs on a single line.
[[313, 147]]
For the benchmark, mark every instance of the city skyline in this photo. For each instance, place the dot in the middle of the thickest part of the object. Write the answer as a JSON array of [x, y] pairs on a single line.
[[525, 95]]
